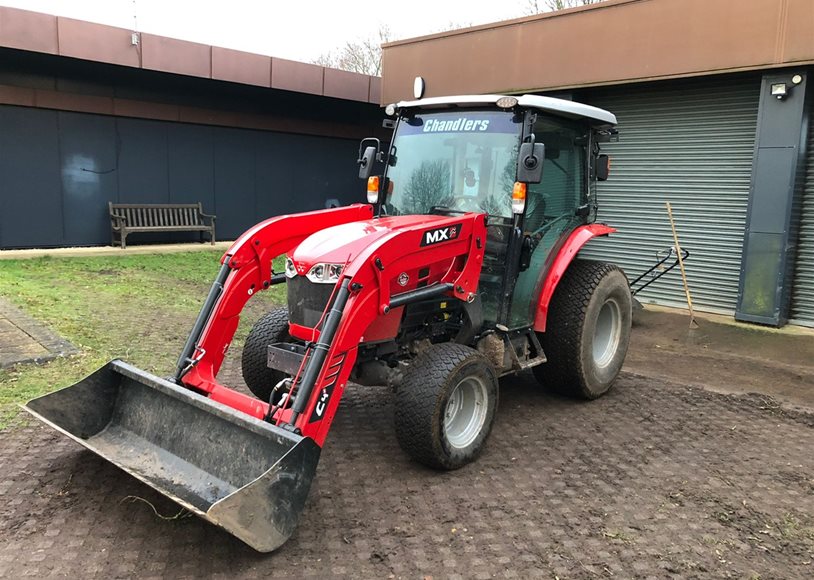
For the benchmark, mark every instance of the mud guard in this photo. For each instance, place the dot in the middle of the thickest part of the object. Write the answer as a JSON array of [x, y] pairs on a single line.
[[578, 238]]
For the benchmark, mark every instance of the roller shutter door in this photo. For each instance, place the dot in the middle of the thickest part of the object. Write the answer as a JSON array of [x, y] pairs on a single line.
[[690, 143], [802, 294]]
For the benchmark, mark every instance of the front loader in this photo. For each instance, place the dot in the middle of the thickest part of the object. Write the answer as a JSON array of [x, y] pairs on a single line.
[[460, 270]]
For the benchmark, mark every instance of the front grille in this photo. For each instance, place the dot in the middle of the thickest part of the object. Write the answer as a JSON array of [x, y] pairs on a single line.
[[307, 301]]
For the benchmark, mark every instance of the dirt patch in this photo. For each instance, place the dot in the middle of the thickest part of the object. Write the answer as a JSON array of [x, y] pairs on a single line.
[[728, 358], [654, 480]]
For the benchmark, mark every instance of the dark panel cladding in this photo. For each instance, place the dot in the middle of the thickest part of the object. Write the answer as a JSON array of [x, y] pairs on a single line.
[[74, 163], [234, 181], [274, 179], [338, 177], [30, 198], [320, 171], [191, 155], [89, 175], [142, 162]]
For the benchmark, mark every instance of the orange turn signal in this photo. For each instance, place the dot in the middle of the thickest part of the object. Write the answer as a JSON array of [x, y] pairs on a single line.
[[519, 197], [373, 189]]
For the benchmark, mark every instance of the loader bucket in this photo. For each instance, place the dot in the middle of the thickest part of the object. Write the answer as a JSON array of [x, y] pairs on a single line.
[[245, 475]]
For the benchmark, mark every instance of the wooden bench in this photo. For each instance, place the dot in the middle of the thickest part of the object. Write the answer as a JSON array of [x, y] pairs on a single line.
[[126, 218]]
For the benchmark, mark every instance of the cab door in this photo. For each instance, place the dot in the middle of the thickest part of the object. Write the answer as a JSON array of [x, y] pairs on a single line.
[[551, 207]]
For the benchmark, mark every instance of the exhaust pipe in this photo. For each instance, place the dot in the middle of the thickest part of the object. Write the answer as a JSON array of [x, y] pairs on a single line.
[[245, 475]]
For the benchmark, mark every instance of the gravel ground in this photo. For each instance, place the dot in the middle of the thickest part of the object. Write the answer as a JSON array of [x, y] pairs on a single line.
[[654, 480]]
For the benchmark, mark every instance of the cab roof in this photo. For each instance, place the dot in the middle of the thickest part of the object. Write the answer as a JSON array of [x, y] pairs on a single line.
[[561, 107]]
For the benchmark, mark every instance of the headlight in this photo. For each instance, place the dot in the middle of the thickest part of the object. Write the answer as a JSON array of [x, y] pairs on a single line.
[[325, 273], [290, 269]]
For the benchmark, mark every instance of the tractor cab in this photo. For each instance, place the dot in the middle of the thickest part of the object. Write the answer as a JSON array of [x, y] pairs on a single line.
[[527, 162]]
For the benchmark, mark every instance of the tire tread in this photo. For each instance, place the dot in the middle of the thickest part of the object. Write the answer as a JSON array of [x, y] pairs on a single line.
[[271, 328], [561, 342], [417, 398]]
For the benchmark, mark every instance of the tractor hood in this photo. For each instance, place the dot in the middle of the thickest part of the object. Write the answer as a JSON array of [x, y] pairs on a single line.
[[342, 243]]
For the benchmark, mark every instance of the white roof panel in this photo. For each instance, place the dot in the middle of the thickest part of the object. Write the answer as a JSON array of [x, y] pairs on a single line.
[[559, 107]]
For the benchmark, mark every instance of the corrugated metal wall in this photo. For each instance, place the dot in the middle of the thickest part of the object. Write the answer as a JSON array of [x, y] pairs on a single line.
[[802, 293], [690, 143], [59, 169]]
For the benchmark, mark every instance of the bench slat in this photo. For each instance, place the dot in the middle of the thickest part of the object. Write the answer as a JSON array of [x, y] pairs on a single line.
[[158, 217]]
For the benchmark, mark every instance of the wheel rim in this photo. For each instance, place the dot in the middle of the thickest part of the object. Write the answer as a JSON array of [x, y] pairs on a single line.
[[465, 413], [607, 332]]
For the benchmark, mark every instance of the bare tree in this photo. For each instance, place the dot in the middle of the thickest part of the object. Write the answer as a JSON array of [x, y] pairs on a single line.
[[428, 186], [538, 6], [361, 56], [365, 56]]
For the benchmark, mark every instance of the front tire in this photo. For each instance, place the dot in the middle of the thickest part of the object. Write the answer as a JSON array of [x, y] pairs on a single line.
[[588, 330], [261, 380], [446, 405]]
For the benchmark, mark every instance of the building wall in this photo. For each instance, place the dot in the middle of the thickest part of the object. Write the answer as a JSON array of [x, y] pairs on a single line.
[[59, 169], [612, 42], [689, 142], [76, 134]]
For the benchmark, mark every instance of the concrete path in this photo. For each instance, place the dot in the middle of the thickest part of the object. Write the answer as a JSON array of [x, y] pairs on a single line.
[[23, 339]]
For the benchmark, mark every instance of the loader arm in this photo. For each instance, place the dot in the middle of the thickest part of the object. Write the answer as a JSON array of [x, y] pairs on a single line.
[[364, 294], [367, 280], [246, 269]]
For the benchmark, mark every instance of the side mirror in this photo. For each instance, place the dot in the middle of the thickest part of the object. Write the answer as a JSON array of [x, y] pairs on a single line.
[[365, 162], [602, 167], [530, 162]]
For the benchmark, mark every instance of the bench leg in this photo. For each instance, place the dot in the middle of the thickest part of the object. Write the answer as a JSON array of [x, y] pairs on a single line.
[[124, 240], [212, 235]]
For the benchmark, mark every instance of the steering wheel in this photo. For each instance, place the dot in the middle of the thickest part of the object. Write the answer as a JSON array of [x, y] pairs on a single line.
[[466, 203]]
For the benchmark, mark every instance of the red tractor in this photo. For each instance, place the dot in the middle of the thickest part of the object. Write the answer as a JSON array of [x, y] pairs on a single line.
[[461, 269]]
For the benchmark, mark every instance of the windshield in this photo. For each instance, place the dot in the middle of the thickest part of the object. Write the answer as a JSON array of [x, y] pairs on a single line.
[[462, 160]]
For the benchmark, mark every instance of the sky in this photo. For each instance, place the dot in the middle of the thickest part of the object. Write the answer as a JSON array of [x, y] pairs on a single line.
[[293, 29]]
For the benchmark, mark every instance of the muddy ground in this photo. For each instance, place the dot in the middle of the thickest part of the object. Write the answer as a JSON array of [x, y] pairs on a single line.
[[725, 356], [658, 479]]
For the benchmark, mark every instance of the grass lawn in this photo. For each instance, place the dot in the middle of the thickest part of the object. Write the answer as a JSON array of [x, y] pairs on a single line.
[[137, 308]]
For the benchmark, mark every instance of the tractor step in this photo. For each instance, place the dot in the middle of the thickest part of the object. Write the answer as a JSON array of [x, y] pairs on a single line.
[[522, 364], [240, 473]]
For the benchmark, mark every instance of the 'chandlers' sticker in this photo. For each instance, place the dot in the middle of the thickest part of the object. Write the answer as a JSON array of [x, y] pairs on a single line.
[[439, 235]]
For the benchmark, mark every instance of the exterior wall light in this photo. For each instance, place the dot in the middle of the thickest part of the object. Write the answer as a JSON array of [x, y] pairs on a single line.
[[780, 90], [418, 87]]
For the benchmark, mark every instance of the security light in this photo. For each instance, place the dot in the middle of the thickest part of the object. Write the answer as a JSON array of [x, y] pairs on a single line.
[[780, 90], [418, 87]]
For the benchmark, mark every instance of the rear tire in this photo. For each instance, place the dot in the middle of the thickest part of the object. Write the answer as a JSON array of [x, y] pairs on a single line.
[[271, 328], [446, 405], [588, 330]]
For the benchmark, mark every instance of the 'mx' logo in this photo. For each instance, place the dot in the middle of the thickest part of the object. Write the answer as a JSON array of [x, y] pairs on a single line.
[[440, 235]]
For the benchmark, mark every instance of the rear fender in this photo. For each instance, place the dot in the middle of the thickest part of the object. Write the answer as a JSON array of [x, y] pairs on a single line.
[[578, 238]]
